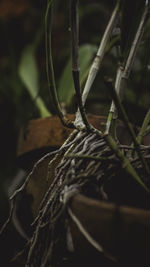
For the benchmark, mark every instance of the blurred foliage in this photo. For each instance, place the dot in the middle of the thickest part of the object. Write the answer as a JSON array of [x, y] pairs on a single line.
[[28, 72], [65, 85]]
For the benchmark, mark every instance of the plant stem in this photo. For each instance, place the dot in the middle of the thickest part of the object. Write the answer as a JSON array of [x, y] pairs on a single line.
[[108, 48], [99, 56], [144, 127], [125, 162], [100, 53], [75, 59], [49, 65], [113, 113], [120, 108], [123, 72]]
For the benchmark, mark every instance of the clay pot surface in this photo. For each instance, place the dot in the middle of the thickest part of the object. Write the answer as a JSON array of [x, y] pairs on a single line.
[[48, 132], [122, 231]]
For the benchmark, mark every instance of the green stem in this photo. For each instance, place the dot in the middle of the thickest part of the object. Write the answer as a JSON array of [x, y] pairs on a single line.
[[49, 65], [101, 52], [75, 59], [109, 122], [113, 113], [125, 162], [144, 127], [109, 46], [127, 123], [99, 57], [123, 73]]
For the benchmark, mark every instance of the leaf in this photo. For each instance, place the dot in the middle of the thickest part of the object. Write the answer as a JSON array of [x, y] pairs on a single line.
[[66, 87], [131, 15], [28, 72]]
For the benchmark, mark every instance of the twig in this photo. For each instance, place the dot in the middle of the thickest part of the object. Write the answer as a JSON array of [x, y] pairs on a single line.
[[75, 59], [3, 228], [113, 112], [98, 59], [123, 72], [49, 66], [144, 127], [127, 123], [125, 162]]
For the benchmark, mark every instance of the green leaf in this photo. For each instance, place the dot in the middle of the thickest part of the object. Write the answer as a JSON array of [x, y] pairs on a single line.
[[28, 72], [66, 87], [131, 15]]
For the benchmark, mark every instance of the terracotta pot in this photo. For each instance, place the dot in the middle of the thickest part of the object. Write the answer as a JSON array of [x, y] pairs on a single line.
[[47, 134], [123, 232]]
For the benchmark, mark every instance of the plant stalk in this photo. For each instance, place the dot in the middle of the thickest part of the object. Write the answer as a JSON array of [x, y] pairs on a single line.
[[120, 108], [113, 112], [49, 66], [123, 72], [125, 162], [99, 57], [75, 59], [144, 127]]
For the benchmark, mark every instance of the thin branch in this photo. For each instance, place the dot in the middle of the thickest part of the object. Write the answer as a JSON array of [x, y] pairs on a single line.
[[75, 59], [49, 65], [120, 108], [144, 127], [101, 52], [125, 162], [99, 57], [113, 112], [123, 73], [4, 227]]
